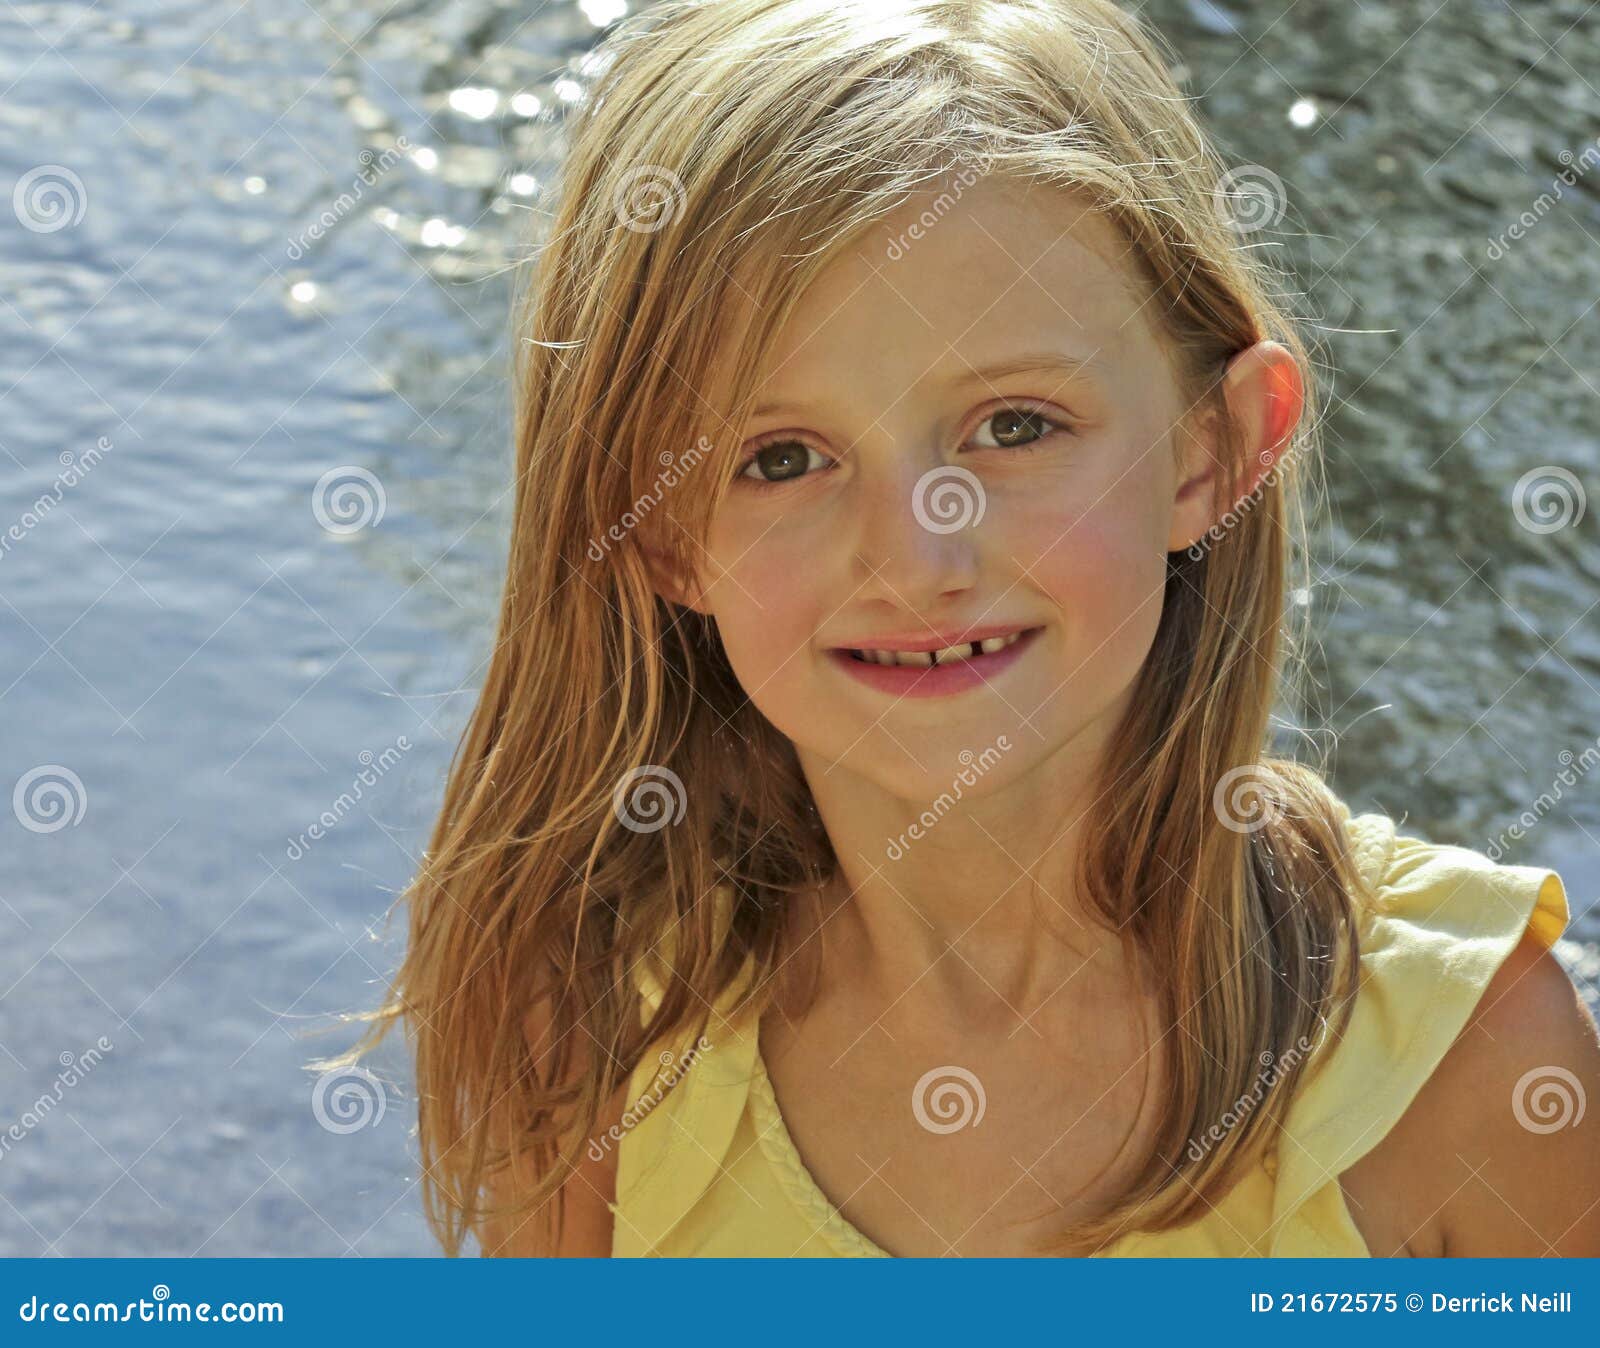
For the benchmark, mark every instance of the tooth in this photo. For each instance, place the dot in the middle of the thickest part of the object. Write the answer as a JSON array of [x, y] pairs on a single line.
[[912, 658], [950, 653], [993, 644]]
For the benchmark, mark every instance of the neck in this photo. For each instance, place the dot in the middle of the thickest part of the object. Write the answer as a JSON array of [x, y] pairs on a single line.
[[973, 917]]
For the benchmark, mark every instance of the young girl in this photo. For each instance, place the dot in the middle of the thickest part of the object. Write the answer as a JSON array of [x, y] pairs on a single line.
[[866, 841]]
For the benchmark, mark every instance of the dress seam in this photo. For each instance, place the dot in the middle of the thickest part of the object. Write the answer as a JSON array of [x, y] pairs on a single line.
[[772, 1134]]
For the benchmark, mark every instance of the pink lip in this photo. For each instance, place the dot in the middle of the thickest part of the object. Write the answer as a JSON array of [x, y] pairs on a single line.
[[938, 680]]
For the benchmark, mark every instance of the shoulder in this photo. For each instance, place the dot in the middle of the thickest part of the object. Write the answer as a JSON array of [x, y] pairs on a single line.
[[1466, 1030], [1512, 1118], [585, 1198]]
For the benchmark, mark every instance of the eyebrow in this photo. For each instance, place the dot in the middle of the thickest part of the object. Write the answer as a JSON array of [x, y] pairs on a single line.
[[1030, 362]]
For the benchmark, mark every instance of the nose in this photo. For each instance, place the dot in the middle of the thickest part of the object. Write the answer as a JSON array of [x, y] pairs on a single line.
[[916, 539]]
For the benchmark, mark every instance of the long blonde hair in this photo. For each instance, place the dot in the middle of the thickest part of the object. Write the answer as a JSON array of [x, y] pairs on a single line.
[[726, 153]]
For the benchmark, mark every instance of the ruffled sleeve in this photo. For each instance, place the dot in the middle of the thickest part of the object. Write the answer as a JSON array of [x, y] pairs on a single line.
[[1445, 920], [686, 1101]]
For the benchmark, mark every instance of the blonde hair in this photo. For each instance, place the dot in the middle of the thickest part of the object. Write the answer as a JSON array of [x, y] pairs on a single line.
[[727, 153]]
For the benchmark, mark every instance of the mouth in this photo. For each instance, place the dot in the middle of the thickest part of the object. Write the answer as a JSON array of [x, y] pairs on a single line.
[[929, 659], [934, 672]]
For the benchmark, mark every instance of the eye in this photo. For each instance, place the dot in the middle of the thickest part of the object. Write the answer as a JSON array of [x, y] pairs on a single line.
[[780, 461], [784, 459], [1017, 428]]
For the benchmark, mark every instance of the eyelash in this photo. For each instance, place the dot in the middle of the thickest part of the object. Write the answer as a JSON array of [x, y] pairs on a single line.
[[760, 485]]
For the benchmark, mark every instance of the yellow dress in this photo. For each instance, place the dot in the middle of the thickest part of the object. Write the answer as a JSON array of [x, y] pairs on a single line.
[[709, 1169]]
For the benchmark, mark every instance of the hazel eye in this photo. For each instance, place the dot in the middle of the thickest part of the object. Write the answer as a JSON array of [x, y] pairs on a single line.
[[785, 459], [1016, 428]]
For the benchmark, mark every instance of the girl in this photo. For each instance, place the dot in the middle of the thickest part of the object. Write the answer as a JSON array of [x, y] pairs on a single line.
[[865, 842]]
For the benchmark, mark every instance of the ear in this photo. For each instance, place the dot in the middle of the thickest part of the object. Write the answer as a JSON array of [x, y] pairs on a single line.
[[1265, 396], [669, 581]]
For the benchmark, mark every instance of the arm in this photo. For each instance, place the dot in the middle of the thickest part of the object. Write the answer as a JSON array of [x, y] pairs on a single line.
[[587, 1228], [1517, 1118]]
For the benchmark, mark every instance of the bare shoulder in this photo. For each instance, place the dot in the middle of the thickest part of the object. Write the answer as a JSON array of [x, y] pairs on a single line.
[[585, 1197], [1512, 1119]]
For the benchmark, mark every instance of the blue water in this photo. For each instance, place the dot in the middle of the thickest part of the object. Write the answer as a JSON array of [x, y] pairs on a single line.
[[200, 665]]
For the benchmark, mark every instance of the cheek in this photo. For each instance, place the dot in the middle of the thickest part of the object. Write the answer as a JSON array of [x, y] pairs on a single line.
[[768, 611], [1103, 568]]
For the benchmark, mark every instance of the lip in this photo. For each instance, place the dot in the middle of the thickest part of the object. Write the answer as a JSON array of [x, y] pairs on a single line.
[[937, 680]]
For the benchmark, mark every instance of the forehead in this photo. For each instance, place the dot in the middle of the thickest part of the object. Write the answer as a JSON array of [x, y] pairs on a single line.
[[948, 281]]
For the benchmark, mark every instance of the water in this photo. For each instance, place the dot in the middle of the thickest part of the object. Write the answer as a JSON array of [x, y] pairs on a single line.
[[210, 663]]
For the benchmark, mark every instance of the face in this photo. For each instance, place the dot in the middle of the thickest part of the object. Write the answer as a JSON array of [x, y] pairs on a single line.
[[972, 431]]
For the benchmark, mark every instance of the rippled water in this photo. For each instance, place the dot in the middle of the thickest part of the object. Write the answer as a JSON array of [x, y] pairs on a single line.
[[213, 667]]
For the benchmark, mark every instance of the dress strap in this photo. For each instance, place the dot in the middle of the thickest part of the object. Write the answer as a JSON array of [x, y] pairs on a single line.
[[1445, 919]]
